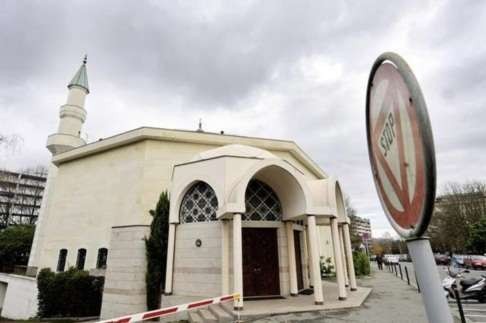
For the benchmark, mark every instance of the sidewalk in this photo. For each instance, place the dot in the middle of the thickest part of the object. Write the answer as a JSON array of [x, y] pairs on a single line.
[[391, 301]]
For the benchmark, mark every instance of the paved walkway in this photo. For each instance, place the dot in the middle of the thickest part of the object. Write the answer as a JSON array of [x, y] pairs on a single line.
[[304, 303], [391, 301]]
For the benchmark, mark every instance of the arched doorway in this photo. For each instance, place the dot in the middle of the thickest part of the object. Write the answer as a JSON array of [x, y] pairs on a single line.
[[260, 244]]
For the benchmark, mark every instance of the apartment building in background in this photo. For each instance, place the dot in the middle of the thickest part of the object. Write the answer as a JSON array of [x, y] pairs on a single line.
[[21, 196], [362, 228]]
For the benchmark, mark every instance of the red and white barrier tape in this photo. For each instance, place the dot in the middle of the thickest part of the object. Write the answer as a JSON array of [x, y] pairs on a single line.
[[171, 310]]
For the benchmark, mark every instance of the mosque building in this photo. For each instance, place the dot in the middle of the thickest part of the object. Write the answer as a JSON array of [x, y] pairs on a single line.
[[247, 215]]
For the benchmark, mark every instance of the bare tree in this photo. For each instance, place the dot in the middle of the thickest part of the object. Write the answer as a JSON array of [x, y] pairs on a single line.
[[351, 212], [458, 208], [10, 143]]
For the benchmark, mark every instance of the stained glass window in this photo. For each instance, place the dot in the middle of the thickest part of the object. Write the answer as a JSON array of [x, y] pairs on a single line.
[[199, 204], [262, 204]]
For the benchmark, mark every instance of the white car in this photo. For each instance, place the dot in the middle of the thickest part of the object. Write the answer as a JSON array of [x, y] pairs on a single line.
[[391, 259]]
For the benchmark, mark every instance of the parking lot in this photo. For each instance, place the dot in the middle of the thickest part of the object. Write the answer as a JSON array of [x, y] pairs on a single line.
[[473, 311]]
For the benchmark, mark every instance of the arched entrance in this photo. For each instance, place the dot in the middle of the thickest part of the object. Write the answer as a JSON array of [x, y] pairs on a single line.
[[260, 243]]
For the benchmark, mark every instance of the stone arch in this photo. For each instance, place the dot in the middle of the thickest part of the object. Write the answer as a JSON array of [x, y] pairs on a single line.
[[339, 200], [284, 179], [182, 187]]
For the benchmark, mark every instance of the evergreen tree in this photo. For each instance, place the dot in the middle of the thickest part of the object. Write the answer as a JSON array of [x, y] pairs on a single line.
[[15, 244], [477, 237], [156, 251]]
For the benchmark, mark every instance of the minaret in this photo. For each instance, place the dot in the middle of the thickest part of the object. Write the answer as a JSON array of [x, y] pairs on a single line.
[[72, 114]]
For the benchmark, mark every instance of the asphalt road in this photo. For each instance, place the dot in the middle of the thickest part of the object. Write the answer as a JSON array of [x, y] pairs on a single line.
[[473, 311], [442, 270]]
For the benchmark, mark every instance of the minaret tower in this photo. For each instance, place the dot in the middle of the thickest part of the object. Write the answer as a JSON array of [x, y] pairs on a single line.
[[67, 137], [72, 115]]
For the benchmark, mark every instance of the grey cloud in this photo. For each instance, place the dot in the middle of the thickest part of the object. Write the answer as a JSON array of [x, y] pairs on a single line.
[[152, 62]]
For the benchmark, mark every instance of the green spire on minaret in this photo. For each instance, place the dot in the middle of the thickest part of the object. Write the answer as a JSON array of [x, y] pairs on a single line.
[[81, 77]]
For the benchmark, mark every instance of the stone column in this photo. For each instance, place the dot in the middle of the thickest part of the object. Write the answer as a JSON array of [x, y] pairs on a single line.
[[337, 259], [309, 258], [306, 259], [343, 257], [349, 256], [225, 245], [170, 260], [314, 251], [292, 262], [237, 261]]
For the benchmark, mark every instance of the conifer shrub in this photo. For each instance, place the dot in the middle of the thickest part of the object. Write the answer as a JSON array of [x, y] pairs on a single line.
[[156, 251], [361, 263]]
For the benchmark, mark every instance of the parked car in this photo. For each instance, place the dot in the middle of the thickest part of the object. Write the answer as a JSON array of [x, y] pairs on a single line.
[[457, 260], [391, 259], [475, 262], [404, 257], [441, 259]]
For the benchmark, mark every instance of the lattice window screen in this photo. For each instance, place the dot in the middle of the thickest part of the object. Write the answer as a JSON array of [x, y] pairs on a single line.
[[262, 204], [199, 204]]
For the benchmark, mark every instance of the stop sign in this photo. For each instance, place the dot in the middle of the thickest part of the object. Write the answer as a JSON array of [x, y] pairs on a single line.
[[400, 145]]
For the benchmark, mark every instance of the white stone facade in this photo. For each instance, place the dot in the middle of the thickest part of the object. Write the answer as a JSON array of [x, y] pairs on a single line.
[[212, 190], [198, 270], [124, 290]]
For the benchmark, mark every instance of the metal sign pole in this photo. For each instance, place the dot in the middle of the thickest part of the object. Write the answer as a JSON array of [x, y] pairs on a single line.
[[402, 158], [428, 279]]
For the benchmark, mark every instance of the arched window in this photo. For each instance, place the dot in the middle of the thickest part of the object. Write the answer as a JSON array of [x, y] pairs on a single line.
[[61, 262], [262, 204], [199, 204], [102, 257], [81, 259]]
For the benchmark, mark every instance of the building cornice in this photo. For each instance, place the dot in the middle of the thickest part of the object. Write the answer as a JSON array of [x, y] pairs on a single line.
[[185, 136]]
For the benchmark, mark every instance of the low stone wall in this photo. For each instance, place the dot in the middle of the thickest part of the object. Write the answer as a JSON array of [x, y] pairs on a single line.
[[18, 296]]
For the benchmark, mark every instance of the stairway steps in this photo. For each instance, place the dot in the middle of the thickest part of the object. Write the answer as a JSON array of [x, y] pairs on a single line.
[[220, 313], [207, 316], [227, 307], [195, 317]]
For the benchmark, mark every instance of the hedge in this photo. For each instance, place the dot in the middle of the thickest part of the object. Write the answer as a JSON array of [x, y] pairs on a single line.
[[73, 293]]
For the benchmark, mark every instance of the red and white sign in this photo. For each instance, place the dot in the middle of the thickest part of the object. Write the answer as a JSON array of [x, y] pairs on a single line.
[[400, 145]]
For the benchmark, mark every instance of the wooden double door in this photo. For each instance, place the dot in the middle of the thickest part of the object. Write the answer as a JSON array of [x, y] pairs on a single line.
[[260, 263]]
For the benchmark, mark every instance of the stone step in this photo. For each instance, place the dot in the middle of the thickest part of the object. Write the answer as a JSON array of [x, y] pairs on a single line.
[[228, 307], [221, 314], [207, 316], [194, 317]]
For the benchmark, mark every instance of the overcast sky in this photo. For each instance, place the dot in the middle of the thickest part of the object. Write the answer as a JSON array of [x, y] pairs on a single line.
[[279, 69]]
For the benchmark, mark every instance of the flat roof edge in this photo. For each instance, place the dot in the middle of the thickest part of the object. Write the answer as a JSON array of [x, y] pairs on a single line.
[[172, 135]]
